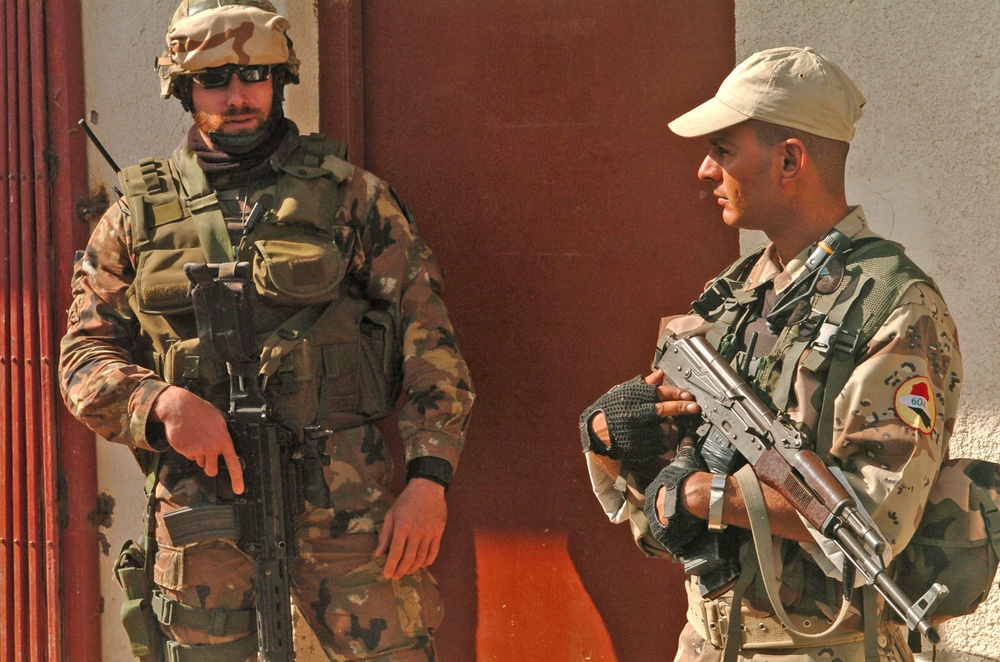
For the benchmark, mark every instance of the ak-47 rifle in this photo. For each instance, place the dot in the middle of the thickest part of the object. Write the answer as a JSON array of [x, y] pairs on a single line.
[[270, 453], [737, 423]]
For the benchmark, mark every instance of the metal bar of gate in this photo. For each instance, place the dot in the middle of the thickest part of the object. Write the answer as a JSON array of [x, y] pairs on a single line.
[[18, 483], [74, 605], [6, 465], [34, 540], [47, 356]]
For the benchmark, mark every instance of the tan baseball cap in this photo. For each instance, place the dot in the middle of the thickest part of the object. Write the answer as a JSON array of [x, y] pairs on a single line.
[[793, 87]]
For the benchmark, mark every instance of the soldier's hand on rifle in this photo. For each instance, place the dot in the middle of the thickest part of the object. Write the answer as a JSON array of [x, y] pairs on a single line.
[[633, 421], [670, 521], [411, 533], [197, 430]]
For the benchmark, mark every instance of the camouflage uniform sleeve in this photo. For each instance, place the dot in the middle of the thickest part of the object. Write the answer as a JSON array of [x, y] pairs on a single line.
[[897, 412], [402, 270], [100, 382]]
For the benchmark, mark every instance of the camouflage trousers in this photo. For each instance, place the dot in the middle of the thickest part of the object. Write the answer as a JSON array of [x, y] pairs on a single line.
[[337, 584], [892, 647]]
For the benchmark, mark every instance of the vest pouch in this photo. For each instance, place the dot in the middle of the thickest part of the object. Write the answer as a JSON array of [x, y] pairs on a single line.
[[183, 364], [306, 196], [301, 270], [355, 357], [160, 286], [295, 387], [378, 365], [338, 385]]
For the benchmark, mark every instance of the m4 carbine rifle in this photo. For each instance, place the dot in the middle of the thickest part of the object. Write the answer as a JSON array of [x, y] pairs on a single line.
[[279, 470], [738, 423]]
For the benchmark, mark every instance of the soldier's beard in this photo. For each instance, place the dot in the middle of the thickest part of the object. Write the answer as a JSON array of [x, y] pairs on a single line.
[[209, 123], [241, 141]]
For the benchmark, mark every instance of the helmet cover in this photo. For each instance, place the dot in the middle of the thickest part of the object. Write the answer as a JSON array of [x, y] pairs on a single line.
[[203, 34]]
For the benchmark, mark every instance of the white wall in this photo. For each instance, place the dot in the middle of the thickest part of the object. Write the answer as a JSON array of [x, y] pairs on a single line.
[[123, 105], [923, 165]]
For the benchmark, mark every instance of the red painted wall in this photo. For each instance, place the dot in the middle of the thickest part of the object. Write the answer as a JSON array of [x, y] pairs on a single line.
[[529, 139]]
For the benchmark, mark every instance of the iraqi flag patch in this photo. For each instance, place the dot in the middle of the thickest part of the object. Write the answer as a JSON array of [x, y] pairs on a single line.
[[915, 404]]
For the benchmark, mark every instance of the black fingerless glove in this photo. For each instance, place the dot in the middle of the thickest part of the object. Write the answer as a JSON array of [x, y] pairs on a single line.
[[682, 527], [633, 424]]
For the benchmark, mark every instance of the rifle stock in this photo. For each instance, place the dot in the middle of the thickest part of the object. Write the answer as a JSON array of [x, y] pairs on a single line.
[[740, 423]]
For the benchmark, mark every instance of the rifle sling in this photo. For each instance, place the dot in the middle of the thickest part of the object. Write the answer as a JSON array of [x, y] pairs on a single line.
[[149, 516], [760, 526]]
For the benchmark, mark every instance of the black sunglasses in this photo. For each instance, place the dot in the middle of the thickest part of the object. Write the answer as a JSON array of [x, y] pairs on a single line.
[[220, 76]]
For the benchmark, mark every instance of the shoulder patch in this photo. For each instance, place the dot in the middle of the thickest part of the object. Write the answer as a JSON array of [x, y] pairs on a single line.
[[915, 405]]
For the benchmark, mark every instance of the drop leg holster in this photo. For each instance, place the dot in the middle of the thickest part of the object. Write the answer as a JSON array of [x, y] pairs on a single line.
[[134, 572]]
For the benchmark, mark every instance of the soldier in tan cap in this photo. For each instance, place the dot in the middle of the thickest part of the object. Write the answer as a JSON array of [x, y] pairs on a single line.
[[348, 313], [830, 325]]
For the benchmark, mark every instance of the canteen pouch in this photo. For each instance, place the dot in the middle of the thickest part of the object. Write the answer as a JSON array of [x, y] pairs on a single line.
[[958, 539], [141, 625]]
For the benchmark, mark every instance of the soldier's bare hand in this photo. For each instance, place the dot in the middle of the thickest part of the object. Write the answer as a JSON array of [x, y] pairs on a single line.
[[411, 534], [673, 401], [197, 430]]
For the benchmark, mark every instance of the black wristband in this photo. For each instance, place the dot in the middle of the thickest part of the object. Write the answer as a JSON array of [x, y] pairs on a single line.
[[436, 469]]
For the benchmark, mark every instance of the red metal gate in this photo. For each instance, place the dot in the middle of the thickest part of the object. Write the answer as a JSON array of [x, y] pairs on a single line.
[[530, 140], [43, 173]]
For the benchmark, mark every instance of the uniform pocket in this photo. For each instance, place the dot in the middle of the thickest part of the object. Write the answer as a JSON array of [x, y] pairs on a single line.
[[169, 569], [357, 612], [418, 601]]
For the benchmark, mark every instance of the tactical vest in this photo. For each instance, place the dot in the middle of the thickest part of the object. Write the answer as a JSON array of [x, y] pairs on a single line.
[[837, 332], [330, 356]]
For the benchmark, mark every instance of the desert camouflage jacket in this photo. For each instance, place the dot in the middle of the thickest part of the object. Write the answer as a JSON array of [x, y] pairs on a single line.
[[892, 423], [110, 388]]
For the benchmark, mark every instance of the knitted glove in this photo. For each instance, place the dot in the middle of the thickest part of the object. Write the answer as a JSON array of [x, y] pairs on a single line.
[[633, 423], [682, 527]]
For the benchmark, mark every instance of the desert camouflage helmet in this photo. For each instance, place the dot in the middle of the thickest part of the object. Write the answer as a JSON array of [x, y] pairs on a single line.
[[211, 33]]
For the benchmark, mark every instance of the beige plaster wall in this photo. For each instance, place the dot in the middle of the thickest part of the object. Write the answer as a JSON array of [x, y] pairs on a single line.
[[123, 105], [923, 165]]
